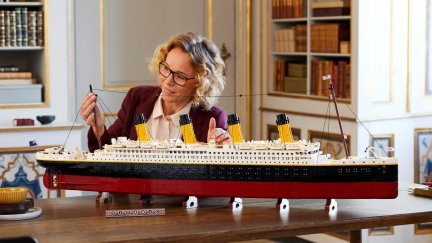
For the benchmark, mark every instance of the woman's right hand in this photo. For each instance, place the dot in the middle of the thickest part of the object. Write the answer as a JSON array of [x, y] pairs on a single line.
[[91, 113]]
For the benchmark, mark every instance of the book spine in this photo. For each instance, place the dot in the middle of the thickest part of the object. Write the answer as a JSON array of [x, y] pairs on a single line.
[[39, 28], [2, 28], [7, 28], [18, 17], [24, 16], [25, 81], [15, 75]]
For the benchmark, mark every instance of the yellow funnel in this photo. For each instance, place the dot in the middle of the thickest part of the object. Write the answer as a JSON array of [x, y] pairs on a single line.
[[284, 128], [141, 128], [234, 128], [187, 129]]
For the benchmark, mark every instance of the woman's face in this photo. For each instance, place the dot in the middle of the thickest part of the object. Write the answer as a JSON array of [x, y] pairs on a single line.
[[178, 66]]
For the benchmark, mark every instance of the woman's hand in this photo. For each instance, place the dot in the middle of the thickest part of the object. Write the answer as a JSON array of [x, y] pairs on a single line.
[[217, 134], [92, 115]]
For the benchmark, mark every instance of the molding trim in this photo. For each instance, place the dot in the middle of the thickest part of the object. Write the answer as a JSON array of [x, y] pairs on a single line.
[[307, 97], [47, 90], [261, 55], [403, 116], [248, 67], [41, 128], [408, 78], [210, 19]]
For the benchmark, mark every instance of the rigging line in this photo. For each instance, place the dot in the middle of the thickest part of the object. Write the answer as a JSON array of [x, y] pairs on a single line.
[[178, 137], [70, 130], [328, 123], [363, 125], [325, 120], [112, 91], [359, 120], [110, 112], [222, 96]]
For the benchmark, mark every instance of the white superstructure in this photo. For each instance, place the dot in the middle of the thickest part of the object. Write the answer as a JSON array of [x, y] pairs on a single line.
[[248, 153]]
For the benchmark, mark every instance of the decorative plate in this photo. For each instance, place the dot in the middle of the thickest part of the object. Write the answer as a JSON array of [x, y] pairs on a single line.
[[31, 213]]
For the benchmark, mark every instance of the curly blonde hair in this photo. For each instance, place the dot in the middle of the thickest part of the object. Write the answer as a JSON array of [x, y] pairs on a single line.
[[206, 62]]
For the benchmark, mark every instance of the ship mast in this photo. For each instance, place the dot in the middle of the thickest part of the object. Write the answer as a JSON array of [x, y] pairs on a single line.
[[333, 96]]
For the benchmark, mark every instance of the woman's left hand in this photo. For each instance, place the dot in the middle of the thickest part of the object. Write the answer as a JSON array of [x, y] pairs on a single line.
[[217, 134]]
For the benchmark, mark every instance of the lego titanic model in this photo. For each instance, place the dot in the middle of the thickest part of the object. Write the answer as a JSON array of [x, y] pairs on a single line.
[[261, 169]]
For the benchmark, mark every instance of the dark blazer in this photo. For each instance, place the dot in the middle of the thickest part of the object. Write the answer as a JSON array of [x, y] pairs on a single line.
[[141, 99]]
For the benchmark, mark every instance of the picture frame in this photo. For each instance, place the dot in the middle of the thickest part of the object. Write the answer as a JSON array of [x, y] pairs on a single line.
[[423, 167], [422, 155], [383, 141], [423, 228], [273, 133], [331, 143], [385, 230]]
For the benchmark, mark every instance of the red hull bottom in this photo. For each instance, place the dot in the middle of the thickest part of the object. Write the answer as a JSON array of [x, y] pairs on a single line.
[[299, 190]]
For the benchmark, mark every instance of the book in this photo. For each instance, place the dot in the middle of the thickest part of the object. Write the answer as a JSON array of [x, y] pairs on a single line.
[[332, 4], [326, 12], [23, 81], [15, 75], [287, 9], [295, 85], [297, 70], [23, 122], [327, 37], [423, 192]]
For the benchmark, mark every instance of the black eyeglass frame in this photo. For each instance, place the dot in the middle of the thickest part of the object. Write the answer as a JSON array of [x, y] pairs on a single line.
[[173, 73]]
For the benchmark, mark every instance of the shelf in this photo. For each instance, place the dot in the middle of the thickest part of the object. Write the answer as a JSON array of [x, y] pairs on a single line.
[[289, 53], [296, 20], [306, 96], [319, 54], [21, 4], [323, 44], [27, 57], [22, 48], [331, 18]]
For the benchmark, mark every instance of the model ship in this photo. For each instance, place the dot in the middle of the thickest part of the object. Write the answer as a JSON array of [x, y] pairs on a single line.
[[262, 169]]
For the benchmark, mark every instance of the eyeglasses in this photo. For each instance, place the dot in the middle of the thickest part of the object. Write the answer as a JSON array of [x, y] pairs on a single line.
[[178, 78]]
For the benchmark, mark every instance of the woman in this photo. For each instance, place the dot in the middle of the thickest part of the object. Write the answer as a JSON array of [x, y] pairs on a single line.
[[190, 74]]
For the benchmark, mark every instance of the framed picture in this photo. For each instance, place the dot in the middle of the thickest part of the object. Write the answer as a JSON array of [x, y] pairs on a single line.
[[423, 228], [423, 167], [331, 143], [273, 133], [422, 155], [383, 141], [386, 230]]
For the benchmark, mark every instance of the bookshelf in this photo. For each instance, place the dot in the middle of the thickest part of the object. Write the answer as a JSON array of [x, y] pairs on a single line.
[[309, 38], [387, 57], [23, 64]]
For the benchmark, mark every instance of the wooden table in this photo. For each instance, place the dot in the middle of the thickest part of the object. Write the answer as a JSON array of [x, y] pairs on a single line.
[[80, 219]]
